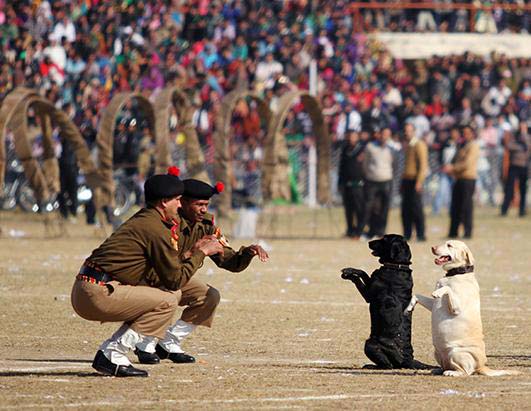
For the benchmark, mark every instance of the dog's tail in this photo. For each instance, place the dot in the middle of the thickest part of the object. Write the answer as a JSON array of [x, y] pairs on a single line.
[[495, 373]]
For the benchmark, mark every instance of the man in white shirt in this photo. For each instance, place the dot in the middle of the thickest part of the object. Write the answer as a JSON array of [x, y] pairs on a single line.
[[267, 69], [64, 28], [495, 99], [378, 172], [349, 120]]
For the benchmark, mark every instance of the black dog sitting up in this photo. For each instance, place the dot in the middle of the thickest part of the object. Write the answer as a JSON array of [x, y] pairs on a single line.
[[388, 292]]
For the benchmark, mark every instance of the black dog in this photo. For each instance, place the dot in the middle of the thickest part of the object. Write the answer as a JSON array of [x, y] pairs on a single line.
[[388, 292]]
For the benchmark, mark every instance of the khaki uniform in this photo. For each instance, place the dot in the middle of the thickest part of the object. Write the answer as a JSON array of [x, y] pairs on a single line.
[[143, 247], [199, 298]]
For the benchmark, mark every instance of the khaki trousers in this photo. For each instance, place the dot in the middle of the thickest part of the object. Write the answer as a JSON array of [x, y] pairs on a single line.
[[148, 311], [201, 301]]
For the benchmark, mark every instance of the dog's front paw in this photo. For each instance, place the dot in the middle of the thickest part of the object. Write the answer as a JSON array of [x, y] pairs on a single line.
[[439, 292], [350, 273], [452, 373], [409, 309]]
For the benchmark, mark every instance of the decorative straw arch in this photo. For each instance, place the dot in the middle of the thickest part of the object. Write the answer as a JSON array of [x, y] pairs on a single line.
[[275, 180], [194, 156], [105, 138], [222, 161], [13, 115]]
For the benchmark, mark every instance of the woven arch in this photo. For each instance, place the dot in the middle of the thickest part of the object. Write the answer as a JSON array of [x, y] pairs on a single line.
[[105, 138], [222, 160], [194, 155], [13, 115], [275, 173]]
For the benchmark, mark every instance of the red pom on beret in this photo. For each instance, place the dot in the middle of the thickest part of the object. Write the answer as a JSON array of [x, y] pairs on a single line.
[[174, 171], [220, 187]]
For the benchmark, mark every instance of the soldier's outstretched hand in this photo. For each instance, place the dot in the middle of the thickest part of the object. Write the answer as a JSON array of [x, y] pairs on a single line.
[[259, 251]]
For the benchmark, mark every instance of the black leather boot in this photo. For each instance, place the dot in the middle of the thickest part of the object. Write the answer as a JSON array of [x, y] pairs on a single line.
[[176, 357], [103, 365], [145, 357]]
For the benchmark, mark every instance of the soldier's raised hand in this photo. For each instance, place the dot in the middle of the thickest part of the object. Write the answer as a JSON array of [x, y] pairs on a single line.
[[262, 254]]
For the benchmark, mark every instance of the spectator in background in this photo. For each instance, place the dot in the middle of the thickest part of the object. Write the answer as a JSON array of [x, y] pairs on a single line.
[[487, 176], [519, 149], [267, 70], [464, 170], [378, 172], [495, 99], [68, 173], [420, 122], [447, 149], [415, 172], [218, 45], [349, 121], [350, 183]]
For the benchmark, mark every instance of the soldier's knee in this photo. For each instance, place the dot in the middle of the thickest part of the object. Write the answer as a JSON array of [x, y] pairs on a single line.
[[170, 301], [213, 296]]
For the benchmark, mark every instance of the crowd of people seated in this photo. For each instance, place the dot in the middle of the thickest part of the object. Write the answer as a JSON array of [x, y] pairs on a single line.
[[80, 53]]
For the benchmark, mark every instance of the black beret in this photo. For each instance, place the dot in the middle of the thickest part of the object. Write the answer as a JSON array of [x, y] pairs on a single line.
[[200, 190], [161, 186]]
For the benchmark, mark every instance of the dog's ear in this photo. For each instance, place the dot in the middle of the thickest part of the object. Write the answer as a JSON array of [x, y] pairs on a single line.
[[468, 255], [400, 251]]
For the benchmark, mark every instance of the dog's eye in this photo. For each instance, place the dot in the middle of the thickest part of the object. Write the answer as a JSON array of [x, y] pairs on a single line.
[[449, 245]]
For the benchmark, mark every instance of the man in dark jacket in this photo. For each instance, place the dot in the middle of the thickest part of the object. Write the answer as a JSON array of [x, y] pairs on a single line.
[[350, 182], [519, 149]]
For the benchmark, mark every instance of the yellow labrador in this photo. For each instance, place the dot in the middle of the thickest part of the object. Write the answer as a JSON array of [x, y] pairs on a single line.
[[457, 332]]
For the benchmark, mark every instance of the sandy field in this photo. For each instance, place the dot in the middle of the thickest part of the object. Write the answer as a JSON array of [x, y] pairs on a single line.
[[288, 334]]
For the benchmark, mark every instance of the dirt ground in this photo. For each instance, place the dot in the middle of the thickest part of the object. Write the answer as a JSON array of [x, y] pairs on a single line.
[[288, 333]]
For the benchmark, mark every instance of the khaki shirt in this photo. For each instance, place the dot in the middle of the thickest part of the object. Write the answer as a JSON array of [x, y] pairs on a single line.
[[416, 166], [465, 162], [231, 260], [146, 246]]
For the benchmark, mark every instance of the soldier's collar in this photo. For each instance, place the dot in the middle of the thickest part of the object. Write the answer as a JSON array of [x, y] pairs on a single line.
[[184, 222], [169, 222]]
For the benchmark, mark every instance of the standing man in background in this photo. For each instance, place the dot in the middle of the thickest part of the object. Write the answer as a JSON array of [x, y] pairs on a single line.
[[378, 172], [518, 148], [415, 172], [350, 182], [464, 169], [447, 150]]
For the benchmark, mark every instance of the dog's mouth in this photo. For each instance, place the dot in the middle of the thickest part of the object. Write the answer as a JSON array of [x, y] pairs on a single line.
[[443, 259]]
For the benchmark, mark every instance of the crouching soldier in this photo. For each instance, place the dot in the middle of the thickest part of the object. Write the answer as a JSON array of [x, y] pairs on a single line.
[[109, 286], [200, 299]]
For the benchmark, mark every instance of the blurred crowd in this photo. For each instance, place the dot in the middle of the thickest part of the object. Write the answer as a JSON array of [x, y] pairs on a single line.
[[79, 53], [493, 19]]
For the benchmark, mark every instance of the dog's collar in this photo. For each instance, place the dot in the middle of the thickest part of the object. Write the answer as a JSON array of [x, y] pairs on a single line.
[[460, 270], [397, 266]]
